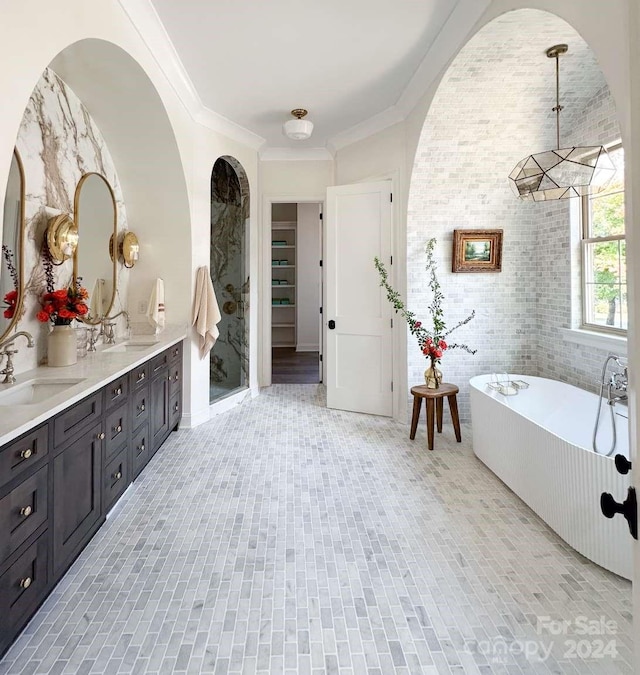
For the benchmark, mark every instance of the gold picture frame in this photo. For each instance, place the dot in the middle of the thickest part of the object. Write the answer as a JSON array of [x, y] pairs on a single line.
[[477, 251]]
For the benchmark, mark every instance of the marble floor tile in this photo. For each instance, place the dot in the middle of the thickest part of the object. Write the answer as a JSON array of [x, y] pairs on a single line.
[[283, 537]]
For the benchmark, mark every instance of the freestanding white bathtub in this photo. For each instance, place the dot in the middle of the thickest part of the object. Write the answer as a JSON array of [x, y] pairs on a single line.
[[538, 442]]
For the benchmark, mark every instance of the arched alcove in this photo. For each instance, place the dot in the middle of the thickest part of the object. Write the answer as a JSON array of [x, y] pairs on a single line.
[[492, 108], [229, 269]]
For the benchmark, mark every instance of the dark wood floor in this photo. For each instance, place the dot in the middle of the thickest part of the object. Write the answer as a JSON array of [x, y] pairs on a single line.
[[291, 367]]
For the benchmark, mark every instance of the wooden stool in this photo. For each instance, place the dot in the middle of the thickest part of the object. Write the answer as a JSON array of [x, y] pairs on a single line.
[[435, 396]]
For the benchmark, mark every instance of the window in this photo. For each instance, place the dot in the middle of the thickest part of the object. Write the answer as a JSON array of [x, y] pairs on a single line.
[[604, 270]]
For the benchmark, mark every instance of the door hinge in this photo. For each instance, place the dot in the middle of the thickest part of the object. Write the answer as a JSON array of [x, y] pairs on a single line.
[[391, 258], [321, 357], [321, 263], [391, 196], [320, 216], [391, 323], [391, 385], [320, 310]]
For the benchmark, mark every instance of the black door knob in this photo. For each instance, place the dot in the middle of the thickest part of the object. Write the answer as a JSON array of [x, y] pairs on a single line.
[[332, 324], [623, 465], [628, 508]]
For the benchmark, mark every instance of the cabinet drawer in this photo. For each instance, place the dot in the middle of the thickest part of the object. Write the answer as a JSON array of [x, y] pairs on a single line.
[[116, 391], [140, 407], [175, 410], [175, 378], [18, 456], [139, 376], [22, 587], [115, 479], [158, 363], [22, 511], [69, 423], [116, 430], [141, 449], [175, 352]]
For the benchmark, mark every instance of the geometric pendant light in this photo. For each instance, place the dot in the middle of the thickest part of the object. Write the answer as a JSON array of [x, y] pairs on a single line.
[[565, 172]]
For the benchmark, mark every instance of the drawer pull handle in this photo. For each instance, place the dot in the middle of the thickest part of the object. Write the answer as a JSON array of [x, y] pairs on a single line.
[[141, 408], [176, 352], [141, 447], [25, 583], [141, 377], [117, 475], [117, 391], [175, 407], [25, 454], [26, 511], [100, 436], [117, 429]]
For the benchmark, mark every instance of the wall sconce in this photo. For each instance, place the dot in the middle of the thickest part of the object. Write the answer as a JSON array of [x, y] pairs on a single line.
[[62, 238], [128, 249]]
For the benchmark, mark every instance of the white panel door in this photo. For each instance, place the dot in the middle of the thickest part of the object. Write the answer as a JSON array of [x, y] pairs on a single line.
[[357, 314]]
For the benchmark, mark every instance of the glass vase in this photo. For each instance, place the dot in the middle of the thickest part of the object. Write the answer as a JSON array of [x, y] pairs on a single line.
[[433, 376]]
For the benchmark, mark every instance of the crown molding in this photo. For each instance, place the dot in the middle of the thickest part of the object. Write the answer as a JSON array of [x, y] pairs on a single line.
[[456, 31], [147, 23], [271, 154], [459, 25], [372, 125]]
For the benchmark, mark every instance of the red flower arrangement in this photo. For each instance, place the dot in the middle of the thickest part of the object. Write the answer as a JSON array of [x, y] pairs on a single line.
[[11, 302], [63, 306], [431, 342]]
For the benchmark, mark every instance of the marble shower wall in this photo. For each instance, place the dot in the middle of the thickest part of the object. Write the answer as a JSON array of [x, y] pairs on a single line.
[[229, 363], [58, 142]]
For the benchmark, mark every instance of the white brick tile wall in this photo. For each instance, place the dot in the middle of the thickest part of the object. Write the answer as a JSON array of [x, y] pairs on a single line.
[[491, 110]]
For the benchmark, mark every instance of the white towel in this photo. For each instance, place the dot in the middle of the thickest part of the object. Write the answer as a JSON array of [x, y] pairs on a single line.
[[206, 313], [155, 310], [96, 308]]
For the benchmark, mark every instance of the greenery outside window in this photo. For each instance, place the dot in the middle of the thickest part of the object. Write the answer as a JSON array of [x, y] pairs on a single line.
[[604, 268]]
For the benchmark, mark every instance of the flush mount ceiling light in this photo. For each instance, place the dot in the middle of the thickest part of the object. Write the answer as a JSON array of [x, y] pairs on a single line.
[[298, 129], [565, 172]]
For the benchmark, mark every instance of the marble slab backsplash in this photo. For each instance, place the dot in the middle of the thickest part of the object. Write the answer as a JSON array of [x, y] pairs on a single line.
[[58, 143]]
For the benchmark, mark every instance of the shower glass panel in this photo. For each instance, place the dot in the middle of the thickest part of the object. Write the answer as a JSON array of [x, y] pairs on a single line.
[[229, 218]]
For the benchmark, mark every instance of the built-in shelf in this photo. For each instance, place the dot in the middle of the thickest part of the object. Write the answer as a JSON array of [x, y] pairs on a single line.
[[283, 324]]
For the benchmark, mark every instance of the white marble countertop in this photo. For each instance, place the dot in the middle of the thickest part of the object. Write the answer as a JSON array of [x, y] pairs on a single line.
[[95, 371]]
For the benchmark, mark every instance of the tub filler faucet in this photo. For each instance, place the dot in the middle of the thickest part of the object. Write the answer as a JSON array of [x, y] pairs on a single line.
[[616, 393]]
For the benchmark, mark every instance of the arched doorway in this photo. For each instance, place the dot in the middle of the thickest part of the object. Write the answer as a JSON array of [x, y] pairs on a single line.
[[229, 265]]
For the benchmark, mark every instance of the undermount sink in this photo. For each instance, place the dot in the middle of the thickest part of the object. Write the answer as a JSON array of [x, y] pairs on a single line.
[[34, 391], [130, 347]]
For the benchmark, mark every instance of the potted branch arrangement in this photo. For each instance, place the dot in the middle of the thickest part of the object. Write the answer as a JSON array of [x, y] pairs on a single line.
[[433, 343]]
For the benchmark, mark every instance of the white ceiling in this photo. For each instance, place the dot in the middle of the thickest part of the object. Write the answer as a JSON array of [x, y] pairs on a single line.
[[345, 61]]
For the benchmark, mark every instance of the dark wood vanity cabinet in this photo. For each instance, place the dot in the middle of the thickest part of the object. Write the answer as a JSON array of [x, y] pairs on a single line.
[[59, 480]]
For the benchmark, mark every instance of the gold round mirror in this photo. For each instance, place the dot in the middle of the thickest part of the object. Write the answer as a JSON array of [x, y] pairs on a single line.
[[12, 262]]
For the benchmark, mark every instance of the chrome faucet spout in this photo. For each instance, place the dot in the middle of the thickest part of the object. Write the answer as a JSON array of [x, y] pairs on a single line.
[[22, 333]]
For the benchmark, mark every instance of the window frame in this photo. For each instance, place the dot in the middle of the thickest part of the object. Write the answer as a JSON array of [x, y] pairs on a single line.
[[585, 241]]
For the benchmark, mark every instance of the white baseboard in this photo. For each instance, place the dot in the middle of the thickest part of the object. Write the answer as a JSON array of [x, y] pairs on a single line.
[[192, 421], [307, 348], [229, 402]]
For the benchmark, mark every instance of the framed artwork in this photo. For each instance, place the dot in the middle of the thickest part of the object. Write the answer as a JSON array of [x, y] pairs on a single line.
[[477, 251]]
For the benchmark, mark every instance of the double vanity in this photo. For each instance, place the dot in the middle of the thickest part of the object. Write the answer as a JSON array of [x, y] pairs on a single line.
[[71, 441]]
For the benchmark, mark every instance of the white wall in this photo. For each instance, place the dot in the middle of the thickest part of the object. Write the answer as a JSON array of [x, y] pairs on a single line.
[[163, 155], [308, 270]]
